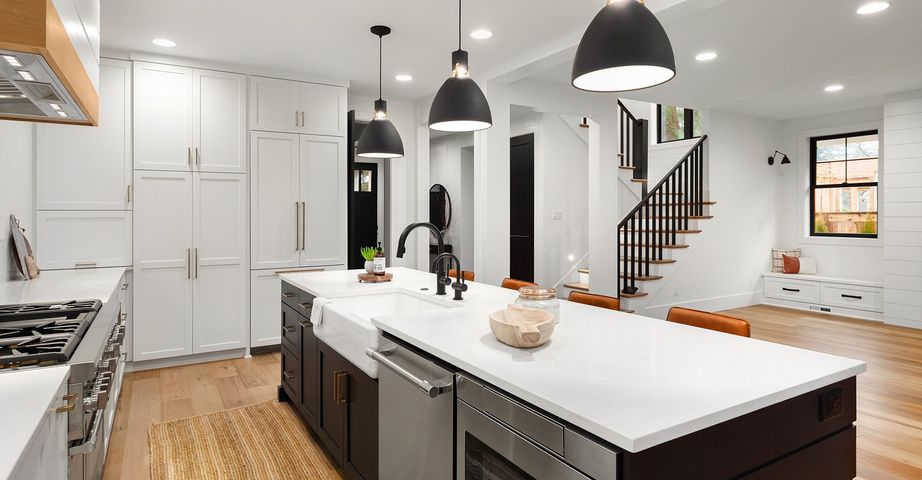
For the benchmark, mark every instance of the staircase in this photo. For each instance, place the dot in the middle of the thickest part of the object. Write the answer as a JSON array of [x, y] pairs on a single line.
[[655, 232]]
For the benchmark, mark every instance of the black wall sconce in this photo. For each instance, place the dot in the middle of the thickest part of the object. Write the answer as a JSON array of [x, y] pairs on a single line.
[[784, 158]]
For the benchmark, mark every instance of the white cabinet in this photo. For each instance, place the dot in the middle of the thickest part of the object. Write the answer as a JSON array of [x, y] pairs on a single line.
[[220, 270], [162, 323], [80, 168], [274, 196], [265, 291], [190, 275], [219, 121], [46, 454], [298, 200], [83, 239], [323, 200], [825, 294], [297, 107], [162, 117], [189, 119]]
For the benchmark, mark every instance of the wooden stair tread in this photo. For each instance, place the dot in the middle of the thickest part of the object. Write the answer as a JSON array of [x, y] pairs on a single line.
[[584, 270], [577, 286], [632, 295], [690, 217], [625, 167], [639, 180], [663, 261], [665, 245], [683, 232]]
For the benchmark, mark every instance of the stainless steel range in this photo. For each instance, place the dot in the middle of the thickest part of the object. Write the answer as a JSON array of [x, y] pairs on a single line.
[[88, 336]]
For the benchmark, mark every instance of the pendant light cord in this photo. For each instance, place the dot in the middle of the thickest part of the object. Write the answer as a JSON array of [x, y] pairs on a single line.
[[459, 24], [380, 67]]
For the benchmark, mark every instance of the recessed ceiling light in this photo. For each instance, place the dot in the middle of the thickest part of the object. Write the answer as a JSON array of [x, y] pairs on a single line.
[[834, 88], [26, 75], [705, 56], [163, 42], [403, 77], [62, 114], [872, 8], [13, 61], [54, 106], [481, 34]]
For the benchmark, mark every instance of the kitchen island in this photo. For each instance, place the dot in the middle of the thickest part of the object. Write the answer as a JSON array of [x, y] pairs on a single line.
[[675, 401]]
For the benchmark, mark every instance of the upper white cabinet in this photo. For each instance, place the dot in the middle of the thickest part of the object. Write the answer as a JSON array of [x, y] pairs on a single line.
[[162, 117], [189, 119], [220, 121], [190, 274], [67, 239], [298, 200], [297, 107], [80, 168]]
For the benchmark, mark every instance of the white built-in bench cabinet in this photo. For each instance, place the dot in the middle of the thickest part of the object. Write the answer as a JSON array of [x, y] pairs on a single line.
[[838, 296]]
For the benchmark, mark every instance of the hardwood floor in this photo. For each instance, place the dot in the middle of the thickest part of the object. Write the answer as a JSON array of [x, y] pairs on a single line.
[[168, 394], [889, 393]]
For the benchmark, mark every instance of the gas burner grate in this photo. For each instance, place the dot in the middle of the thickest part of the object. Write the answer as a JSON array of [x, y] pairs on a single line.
[[43, 334]]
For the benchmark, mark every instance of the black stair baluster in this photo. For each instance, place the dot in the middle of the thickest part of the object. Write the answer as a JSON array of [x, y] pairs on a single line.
[[701, 178], [685, 194]]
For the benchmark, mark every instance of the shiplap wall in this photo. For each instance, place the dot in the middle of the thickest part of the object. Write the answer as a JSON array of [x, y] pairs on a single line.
[[902, 209]]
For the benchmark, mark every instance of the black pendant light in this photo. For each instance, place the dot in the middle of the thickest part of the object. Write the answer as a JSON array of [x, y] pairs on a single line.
[[460, 105], [625, 48], [380, 138]]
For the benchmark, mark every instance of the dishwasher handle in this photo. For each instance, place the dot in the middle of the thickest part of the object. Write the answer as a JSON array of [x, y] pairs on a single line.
[[429, 388]]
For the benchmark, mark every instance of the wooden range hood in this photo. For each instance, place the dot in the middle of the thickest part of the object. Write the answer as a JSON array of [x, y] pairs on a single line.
[[48, 71]]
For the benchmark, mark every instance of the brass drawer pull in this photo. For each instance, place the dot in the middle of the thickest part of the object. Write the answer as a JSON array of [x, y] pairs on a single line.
[[306, 306], [288, 374], [287, 294], [71, 400], [288, 329], [305, 324]]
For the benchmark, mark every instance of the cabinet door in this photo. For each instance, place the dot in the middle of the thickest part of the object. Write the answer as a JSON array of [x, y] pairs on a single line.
[[162, 323], [323, 191], [334, 376], [71, 239], [162, 117], [361, 452], [274, 105], [265, 288], [274, 197], [323, 109], [220, 121], [79, 168], [45, 456], [219, 261], [310, 369]]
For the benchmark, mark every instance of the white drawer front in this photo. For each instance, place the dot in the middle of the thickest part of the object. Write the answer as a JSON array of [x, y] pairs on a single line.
[[851, 296], [794, 290]]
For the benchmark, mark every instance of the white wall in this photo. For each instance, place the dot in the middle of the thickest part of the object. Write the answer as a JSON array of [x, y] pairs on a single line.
[[850, 258], [16, 189], [723, 266], [401, 172], [445, 168], [902, 211]]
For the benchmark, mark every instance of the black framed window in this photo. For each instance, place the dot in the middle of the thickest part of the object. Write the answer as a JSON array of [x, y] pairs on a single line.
[[677, 123], [843, 185]]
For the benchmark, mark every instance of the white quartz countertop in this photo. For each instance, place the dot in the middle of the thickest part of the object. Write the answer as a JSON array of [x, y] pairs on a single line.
[[62, 285], [634, 381], [27, 396]]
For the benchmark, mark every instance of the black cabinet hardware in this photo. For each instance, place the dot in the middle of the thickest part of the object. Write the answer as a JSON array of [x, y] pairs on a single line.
[[795, 290], [856, 297]]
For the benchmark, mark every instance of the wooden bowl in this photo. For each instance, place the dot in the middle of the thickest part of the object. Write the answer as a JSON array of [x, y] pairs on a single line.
[[522, 327]]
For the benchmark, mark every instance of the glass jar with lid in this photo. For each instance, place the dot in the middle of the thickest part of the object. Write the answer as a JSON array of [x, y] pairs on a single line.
[[540, 298]]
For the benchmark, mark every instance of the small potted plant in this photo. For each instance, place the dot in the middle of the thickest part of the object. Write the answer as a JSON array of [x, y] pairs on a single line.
[[368, 253]]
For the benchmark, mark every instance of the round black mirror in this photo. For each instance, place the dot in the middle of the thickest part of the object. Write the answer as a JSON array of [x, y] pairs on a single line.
[[439, 207]]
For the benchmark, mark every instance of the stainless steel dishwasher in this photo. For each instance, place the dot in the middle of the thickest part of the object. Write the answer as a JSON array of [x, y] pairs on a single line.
[[416, 404]]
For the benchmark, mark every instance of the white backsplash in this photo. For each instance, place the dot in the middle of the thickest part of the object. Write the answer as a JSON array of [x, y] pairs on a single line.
[[17, 140]]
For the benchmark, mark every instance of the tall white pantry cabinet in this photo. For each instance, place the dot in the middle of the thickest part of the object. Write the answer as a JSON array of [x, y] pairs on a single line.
[[297, 190]]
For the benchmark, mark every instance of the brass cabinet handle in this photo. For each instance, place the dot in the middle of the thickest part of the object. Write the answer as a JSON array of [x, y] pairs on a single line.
[[296, 119], [85, 265], [189, 263], [287, 294], [198, 157], [302, 119], [297, 226], [303, 226], [340, 393], [306, 306], [305, 323], [195, 256], [287, 374], [71, 400], [302, 270], [288, 329], [189, 155]]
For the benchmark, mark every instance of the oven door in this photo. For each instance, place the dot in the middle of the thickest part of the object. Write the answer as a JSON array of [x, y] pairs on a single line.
[[487, 449]]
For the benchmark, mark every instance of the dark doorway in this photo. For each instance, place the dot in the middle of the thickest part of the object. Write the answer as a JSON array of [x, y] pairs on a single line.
[[364, 218], [522, 207]]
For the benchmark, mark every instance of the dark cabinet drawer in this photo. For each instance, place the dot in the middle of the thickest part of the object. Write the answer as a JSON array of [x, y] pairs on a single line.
[[291, 375], [290, 294], [291, 330], [310, 370], [305, 303]]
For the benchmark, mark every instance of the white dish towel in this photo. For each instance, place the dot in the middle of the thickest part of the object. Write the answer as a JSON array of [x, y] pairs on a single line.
[[317, 309]]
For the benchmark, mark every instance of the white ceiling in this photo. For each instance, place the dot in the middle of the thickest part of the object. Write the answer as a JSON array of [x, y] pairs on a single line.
[[776, 56], [331, 39]]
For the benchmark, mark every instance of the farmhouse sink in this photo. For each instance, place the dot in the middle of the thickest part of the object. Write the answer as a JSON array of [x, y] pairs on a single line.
[[346, 326]]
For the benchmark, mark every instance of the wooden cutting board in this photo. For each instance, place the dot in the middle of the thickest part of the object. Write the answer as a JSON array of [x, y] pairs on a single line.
[[372, 278]]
